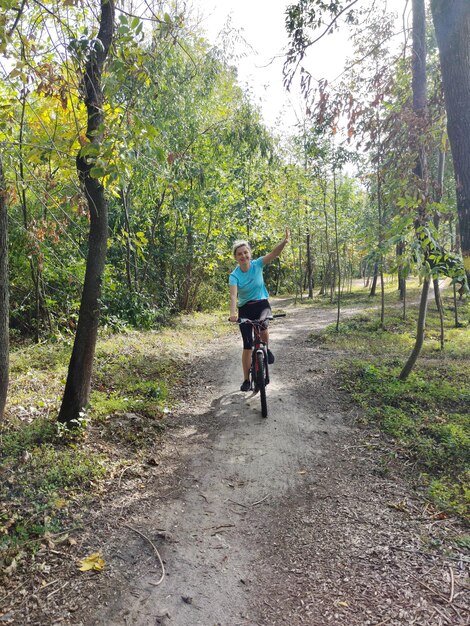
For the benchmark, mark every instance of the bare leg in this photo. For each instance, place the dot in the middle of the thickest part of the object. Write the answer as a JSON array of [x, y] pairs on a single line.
[[246, 363], [264, 334]]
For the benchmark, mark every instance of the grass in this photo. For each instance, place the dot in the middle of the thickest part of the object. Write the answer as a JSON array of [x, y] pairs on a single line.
[[47, 474], [428, 415]]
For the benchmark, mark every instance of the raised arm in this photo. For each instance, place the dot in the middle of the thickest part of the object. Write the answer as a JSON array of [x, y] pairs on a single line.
[[277, 250]]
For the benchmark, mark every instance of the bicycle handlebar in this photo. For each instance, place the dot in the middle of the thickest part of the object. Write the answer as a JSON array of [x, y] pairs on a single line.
[[243, 320]]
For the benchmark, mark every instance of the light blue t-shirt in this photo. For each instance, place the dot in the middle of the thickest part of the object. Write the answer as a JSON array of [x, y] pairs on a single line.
[[250, 284]]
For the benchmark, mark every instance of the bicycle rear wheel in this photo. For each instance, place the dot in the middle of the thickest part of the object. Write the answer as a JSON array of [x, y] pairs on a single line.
[[261, 382]]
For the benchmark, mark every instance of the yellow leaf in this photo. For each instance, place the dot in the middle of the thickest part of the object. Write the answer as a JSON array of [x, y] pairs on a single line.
[[399, 506], [91, 562], [343, 603]]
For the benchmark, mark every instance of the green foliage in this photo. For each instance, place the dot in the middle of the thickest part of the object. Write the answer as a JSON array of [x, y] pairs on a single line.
[[426, 415], [453, 496], [121, 308], [53, 468], [47, 476], [19, 438]]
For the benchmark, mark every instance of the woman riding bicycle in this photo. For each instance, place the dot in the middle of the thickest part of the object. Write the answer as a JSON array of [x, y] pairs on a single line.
[[249, 293]]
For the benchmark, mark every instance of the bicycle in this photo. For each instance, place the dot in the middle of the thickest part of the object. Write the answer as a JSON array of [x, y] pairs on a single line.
[[259, 370]]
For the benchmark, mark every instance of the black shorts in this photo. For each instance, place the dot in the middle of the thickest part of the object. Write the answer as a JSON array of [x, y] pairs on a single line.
[[254, 310]]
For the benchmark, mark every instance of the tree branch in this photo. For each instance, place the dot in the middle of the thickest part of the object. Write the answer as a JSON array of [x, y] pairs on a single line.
[[18, 17]]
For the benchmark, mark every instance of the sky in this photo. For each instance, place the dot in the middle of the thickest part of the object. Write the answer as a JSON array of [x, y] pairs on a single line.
[[261, 23]]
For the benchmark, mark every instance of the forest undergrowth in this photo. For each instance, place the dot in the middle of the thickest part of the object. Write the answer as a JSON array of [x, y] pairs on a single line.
[[48, 474], [427, 416]]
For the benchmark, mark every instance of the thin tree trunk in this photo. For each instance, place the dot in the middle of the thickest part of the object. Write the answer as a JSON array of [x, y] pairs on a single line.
[[440, 308], [401, 276], [295, 272], [332, 277], [301, 289], [381, 236], [456, 312], [373, 288], [323, 279], [436, 219], [4, 295], [404, 301], [382, 300], [419, 107], [153, 228], [124, 200], [309, 267], [24, 207], [338, 266], [419, 332], [77, 387]]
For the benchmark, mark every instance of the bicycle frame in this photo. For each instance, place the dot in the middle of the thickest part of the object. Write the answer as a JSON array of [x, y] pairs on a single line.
[[259, 346], [259, 370]]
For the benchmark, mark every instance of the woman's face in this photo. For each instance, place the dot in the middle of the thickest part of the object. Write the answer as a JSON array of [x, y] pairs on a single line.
[[243, 255]]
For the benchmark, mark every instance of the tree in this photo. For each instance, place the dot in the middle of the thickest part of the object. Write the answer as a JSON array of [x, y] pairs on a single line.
[[419, 107], [4, 293], [77, 388], [452, 27]]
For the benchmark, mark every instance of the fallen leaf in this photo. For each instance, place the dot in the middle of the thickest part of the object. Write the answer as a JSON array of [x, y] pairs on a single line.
[[92, 562], [4, 529], [11, 569], [398, 506]]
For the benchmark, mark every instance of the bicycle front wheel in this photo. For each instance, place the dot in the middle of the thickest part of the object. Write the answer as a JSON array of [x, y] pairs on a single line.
[[261, 382]]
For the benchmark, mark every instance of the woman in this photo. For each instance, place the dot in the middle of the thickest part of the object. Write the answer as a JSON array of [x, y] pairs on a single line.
[[249, 293]]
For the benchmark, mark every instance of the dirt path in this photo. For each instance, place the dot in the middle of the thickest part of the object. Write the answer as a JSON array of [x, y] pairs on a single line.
[[296, 519]]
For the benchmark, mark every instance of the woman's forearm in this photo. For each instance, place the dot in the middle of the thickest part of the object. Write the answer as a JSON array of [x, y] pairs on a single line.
[[233, 303], [279, 248], [275, 252]]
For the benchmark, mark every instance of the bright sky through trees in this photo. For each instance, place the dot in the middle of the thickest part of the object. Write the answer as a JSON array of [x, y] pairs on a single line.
[[261, 24]]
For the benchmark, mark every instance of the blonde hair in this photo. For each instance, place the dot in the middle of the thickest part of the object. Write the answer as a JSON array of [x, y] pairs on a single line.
[[238, 244]]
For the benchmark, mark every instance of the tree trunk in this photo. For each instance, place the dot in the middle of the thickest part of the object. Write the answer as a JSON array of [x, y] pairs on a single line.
[[419, 331], [373, 288], [294, 265], [22, 186], [338, 265], [436, 220], [381, 232], [301, 289], [401, 277], [456, 311], [77, 387], [419, 107], [309, 267], [382, 300], [404, 301], [4, 295], [125, 205], [452, 26], [440, 308]]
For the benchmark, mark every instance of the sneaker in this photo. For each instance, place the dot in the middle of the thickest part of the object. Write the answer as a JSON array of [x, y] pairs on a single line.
[[245, 386], [270, 357]]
